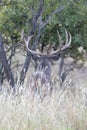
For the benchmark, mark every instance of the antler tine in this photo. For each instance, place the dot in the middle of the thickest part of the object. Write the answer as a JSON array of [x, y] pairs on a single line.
[[49, 48], [60, 39], [32, 51], [27, 42], [65, 46], [66, 36], [70, 39]]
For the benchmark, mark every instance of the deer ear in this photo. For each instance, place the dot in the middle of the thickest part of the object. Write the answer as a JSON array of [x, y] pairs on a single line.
[[35, 57], [54, 57]]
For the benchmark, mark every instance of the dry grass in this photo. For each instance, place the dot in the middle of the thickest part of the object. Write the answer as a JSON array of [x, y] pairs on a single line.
[[65, 110]]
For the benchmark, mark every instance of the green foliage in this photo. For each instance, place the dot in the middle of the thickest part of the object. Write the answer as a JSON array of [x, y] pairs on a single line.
[[16, 15], [74, 18], [13, 18]]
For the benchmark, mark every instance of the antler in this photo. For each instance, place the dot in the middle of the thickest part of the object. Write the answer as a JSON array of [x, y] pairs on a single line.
[[61, 48]]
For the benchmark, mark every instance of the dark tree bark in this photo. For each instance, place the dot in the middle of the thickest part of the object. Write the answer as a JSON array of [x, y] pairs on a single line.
[[4, 61], [25, 68], [35, 18]]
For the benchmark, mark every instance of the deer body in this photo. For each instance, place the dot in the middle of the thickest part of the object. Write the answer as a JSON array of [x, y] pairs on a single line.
[[41, 79], [43, 70]]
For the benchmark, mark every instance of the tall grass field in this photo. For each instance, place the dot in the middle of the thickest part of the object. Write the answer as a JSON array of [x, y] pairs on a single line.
[[65, 109]]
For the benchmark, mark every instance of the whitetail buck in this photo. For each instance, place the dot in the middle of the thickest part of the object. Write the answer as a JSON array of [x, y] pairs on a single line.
[[43, 70]]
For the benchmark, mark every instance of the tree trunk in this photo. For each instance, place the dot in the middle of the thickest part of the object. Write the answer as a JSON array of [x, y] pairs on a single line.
[[25, 68], [3, 60]]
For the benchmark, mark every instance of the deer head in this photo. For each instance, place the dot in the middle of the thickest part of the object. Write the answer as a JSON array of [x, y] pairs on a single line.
[[43, 70]]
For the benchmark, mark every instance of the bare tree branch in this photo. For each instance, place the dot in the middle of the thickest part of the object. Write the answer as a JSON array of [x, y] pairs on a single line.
[[48, 19]]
